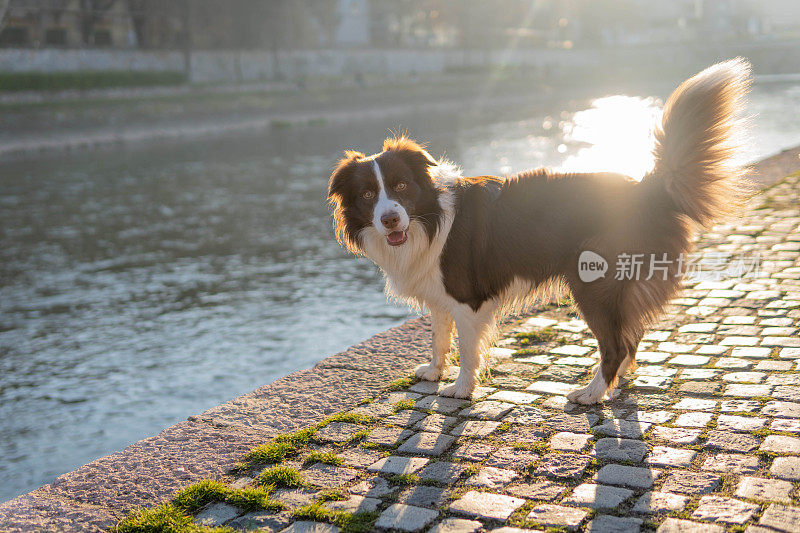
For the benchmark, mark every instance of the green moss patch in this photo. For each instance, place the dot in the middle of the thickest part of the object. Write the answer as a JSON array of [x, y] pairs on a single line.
[[279, 448], [349, 522], [328, 458], [541, 335], [281, 476], [404, 405]]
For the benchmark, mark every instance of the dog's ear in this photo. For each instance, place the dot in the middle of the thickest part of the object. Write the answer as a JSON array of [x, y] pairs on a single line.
[[341, 174], [413, 154]]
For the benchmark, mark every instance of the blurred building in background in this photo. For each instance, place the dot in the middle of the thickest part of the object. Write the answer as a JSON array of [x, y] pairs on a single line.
[[325, 24]]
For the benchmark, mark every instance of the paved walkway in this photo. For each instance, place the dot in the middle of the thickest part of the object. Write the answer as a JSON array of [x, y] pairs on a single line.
[[704, 436]]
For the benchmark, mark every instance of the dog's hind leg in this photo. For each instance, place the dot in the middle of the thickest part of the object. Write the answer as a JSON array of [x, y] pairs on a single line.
[[442, 326], [474, 330], [600, 304], [618, 338]]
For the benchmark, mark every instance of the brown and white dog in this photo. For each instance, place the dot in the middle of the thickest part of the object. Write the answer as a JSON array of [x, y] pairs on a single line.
[[471, 248]]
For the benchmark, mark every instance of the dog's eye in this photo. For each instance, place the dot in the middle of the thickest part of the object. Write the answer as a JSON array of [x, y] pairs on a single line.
[[368, 195], [400, 186]]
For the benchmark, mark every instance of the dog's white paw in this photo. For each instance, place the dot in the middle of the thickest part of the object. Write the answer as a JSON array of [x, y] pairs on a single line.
[[428, 372], [587, 396], [458, 389]]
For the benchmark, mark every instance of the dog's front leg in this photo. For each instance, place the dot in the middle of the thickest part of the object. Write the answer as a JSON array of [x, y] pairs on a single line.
[[473, 331], [442, 325]]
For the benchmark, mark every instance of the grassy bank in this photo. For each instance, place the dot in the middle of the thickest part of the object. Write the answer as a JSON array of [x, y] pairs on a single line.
[[86, 79]]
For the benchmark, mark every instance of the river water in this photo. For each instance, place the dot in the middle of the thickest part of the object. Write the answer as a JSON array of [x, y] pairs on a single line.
[[144, 285]]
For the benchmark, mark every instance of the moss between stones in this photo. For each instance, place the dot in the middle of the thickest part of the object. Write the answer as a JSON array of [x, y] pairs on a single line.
[[349, 522], [401, 384], [404, 479], [328, 458], [353, 418], [281, 476], [164, 518], [279, 448], [175, 516], [404, 405], [542, 335]]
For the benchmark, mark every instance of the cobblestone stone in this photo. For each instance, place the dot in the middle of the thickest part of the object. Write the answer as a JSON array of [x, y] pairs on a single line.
[[405, 418], [614, 524], [261, 520], [305, 526], [673, 457], [571, 442], [597, 496], [740, 423], [217, 514], [456, 525], [629, 476], [491, 477], [436, 423], [474, 428], [691, 483], [623, 428], [440, 404], [563, 465], [354, 504], [550, 515], [724, 510], [781, 518], [677, 435], [734, 442], [660, 502], [537, 490], [781, 444], [375, 487], [406, 517], [389, 436], [486, 505], [615, 449], [731, 462], [786, 468], [473, 451], [512, 458], [442, 472], [398, 465], [757, 488], [675, 525], [427, 443], [424, 496]]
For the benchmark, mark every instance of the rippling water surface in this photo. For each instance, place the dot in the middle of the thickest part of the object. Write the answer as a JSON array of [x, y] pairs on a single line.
[[141, 286]]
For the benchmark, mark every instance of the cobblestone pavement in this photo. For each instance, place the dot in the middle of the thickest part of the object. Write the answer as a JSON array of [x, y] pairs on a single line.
[[703, 436]]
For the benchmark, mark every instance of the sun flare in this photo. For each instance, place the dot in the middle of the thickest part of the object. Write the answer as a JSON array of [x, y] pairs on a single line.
[[617, 134]]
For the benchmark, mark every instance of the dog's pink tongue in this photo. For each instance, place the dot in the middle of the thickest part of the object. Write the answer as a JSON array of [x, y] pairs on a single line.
[[396, 237]]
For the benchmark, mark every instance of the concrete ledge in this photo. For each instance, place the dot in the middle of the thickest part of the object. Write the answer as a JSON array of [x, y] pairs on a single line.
[[41, 511], [336, 384]]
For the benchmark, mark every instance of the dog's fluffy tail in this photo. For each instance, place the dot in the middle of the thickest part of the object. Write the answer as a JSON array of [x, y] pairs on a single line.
[[696, 142]]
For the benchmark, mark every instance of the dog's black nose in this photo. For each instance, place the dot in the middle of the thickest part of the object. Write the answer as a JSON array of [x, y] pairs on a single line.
[[390, 220]]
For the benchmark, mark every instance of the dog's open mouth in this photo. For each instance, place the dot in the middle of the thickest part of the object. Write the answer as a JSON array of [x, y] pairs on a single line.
[[396, 238]]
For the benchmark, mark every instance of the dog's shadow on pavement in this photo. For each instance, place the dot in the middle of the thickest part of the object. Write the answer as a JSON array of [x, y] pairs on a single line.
[[623, 456]]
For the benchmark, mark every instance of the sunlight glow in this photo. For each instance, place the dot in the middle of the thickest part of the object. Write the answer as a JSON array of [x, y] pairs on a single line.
[[617, 134]]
